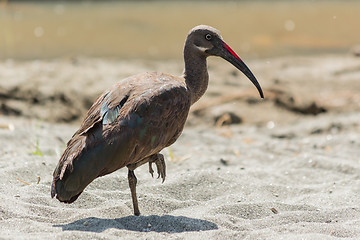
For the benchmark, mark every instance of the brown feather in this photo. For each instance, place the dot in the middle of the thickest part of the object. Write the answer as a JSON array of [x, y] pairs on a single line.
[[152, 118]]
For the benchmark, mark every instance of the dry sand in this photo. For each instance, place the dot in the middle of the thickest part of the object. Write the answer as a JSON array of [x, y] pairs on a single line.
[[289, 168]]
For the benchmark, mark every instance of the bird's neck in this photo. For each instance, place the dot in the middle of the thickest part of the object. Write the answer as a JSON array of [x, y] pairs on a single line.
[[195, 74]]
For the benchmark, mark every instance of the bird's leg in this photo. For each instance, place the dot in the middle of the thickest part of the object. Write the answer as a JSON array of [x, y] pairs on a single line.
[[132, 184], [158, 159], [138, 164]]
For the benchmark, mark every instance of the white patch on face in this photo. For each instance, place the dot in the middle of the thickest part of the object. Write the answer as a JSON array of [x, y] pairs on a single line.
[[203, 49]]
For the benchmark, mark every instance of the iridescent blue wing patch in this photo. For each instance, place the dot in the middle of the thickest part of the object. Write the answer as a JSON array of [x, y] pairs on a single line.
[[109, 115]]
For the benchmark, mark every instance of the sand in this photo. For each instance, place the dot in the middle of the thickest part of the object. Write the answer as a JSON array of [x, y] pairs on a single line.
[[286, 167]]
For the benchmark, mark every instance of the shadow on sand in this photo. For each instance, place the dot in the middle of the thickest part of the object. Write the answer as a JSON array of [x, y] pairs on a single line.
[[166, 223]]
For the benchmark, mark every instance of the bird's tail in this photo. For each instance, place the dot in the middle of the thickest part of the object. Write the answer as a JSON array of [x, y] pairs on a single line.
[[58, 190], [77, 168], [68, 183]]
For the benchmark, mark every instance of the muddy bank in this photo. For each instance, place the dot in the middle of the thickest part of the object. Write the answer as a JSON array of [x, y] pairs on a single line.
[[62, 90]]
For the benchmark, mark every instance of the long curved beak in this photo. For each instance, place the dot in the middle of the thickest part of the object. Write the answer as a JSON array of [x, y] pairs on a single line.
[[229, 55]]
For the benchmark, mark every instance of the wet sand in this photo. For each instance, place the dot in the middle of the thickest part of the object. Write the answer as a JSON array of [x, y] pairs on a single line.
[[285, 167]]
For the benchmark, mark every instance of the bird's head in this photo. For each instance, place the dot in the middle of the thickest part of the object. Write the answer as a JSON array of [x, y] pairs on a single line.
[[208, 42]]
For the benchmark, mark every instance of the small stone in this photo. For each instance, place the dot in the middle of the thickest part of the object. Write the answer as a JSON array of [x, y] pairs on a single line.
[[86, 223], [224, 162], [227, 118], [274, 210]]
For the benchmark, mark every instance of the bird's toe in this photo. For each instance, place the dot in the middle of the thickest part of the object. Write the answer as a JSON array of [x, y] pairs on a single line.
[[151, 171], [160, 166]]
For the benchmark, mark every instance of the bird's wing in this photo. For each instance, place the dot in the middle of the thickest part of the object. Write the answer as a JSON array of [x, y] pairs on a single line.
[[104, 111], [151, 114], [136, 118]]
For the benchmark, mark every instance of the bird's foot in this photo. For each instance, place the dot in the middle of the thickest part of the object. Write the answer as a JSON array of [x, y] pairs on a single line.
[[158, 159]]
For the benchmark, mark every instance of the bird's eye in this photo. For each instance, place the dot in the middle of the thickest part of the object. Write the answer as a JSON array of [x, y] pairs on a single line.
[[208, 37]]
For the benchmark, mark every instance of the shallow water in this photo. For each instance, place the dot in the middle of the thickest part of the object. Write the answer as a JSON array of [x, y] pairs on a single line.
[[158, 29]]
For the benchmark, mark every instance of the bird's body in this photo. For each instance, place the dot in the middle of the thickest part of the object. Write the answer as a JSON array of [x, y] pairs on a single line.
[[130, 123]]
